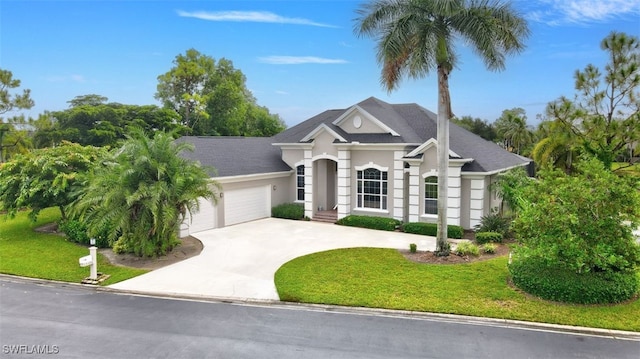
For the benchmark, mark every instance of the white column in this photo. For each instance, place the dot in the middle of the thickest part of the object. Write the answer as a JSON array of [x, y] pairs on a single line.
[[344, 183], [454, 196], [414, 193], [398, 185], [476, 206], [308, 183]]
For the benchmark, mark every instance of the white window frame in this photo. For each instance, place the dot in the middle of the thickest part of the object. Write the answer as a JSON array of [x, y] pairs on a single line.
[[383, 186], [430, 199], [298, 187]]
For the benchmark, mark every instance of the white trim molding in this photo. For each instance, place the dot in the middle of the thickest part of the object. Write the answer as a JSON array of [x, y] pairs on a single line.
[[322, 128]]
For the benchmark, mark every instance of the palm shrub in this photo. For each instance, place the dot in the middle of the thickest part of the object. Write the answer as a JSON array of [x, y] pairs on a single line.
[[142, 194], [495, 222], [579, 223]]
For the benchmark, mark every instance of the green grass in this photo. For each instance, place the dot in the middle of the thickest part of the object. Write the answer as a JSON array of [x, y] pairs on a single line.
[[27, 253], [383, 278]]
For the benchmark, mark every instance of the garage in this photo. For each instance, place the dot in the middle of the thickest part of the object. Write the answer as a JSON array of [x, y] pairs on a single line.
[[203, 220], [247, 204]]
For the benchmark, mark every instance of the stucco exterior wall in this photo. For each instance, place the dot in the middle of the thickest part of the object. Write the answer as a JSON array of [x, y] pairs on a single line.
[[364, 158]]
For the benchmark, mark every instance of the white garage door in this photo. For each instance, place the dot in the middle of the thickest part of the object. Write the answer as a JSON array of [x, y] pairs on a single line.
[[247, 204], [203, 220]]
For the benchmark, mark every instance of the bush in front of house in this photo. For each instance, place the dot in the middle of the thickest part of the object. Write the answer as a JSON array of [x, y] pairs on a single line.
[[488, 237], [489, 248], [76, 231], [288, 211], [371, 222], [431, 229], [495, 222], [467, 249], [555, 282]]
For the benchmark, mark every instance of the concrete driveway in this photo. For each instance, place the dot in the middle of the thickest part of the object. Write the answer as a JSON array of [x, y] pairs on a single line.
[[240, 261]]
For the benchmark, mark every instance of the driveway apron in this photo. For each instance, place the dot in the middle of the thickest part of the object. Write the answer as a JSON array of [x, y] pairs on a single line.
[[240, 261]]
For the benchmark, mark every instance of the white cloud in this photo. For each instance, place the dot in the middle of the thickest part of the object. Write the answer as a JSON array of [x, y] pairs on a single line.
[[558, 12], [249, 16], [297, 60], [280, 92]]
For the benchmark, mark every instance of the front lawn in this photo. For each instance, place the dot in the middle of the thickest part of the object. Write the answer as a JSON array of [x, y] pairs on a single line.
[[27, 253], [383, 278]]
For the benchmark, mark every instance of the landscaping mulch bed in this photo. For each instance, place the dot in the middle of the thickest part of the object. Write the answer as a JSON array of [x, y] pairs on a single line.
[[430, 258]]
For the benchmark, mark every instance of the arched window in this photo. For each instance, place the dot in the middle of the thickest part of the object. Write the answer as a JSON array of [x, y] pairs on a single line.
[[431, 195], [372, 189], [300, 183]]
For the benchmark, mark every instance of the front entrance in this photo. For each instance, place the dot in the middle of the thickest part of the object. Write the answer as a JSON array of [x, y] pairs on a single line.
[[325, 185]]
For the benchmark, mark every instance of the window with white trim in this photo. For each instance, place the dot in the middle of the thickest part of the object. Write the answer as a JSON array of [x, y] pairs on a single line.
[[300, 183], [431, 195], [372, 189]]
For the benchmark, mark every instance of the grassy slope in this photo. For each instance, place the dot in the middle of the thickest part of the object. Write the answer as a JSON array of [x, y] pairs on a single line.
[[382, 278], [27, 253]]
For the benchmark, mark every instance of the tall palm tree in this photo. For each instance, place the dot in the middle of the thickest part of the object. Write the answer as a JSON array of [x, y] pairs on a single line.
[[417, 36], [143, 193]]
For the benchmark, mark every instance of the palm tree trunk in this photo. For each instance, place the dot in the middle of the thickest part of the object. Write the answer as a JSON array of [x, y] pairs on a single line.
[[444, 113]]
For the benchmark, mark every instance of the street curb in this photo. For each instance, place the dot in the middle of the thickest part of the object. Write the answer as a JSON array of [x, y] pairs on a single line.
[[453, 318]]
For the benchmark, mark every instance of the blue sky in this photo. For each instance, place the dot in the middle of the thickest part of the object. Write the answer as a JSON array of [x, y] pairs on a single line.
[[299, 57]]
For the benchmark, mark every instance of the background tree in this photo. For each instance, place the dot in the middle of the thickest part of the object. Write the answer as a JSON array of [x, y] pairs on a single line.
[[46, 177], [557, 148], [417, 36], [213, 99], [513, 131], [604, 118], [88, 100], [143, 193], [10, 102], [89, 121], [480, 127]]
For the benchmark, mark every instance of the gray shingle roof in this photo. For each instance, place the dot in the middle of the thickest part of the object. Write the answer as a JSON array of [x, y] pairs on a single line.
[[415, 125], [235, 156]]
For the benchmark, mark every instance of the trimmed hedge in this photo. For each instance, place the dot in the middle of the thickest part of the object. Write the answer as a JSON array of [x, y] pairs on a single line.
[[288, 211], [486, 237], [564, 285], [371, 222], [431, 229]]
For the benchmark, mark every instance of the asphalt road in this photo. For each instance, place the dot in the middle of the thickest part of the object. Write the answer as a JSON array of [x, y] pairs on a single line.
[[68, 321]]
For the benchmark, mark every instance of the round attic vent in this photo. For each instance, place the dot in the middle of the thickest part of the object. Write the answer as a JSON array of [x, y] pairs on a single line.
[[357, 121]]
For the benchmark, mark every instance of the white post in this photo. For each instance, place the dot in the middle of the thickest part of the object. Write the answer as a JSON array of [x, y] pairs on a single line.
[[94, 260]]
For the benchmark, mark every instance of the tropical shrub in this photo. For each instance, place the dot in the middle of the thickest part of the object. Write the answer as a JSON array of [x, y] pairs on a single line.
[[486, 237], [467, 249], [371, 222], [558, 283], [431, 229], [143, 193], [495, 222], [288, 211]]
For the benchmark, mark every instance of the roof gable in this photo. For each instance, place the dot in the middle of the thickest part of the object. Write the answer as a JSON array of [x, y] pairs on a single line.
[[319, 130], [357, 120]]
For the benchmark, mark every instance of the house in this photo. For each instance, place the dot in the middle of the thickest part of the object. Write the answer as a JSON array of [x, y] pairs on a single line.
[[373, 158]]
